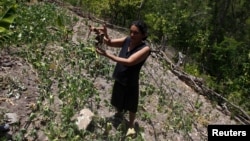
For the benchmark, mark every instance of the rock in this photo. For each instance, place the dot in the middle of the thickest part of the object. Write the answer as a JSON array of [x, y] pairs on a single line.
[[12, 117], [84, 119]]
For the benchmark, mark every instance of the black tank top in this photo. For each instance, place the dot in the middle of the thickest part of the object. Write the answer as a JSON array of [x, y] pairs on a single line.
[[128, 75]]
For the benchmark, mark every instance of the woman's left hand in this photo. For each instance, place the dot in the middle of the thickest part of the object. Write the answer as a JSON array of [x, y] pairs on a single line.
[[101, 51]]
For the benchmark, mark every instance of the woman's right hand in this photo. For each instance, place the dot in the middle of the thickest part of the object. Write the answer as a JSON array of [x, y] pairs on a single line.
[[99, 30], [105, 32]]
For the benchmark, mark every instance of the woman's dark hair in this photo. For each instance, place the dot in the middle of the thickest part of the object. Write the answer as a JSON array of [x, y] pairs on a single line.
[[141, 26]]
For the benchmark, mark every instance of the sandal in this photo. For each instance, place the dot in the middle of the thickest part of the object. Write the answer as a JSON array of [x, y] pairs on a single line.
[[131, 132]]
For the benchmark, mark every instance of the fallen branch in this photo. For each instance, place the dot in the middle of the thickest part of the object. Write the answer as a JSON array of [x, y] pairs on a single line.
[[109, 25]]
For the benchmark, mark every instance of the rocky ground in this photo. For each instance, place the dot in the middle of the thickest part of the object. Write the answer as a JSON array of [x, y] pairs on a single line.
[[19, 91]]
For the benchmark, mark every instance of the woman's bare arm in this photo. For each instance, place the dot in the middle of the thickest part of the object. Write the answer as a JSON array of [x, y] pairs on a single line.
[[114, 42], [132, 60]]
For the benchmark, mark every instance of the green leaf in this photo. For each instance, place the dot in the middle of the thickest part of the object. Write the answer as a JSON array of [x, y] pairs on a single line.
[[10, 15], [7, 19], [2, 29]]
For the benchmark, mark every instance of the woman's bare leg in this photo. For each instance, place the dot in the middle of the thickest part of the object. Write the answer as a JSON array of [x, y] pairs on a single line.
[[131, 119], [131, 131]]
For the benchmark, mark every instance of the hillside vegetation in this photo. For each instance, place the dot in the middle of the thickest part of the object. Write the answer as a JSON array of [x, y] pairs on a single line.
[[213, 35], [49, 71]]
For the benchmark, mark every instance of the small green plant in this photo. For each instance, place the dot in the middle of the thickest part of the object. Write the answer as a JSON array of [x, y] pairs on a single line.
[[61, 24]]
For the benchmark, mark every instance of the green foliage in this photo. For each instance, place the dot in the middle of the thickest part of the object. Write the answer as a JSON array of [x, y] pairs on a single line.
[[123, 12], [27, 30], [5, 5], [7, 17], [192, 69], [119, 12], [96, 7], [225, 55]]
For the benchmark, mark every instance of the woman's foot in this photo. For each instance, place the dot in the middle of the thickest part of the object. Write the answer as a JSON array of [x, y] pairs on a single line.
[[131, 132]]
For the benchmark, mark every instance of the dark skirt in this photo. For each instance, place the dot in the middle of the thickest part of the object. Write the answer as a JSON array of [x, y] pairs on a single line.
[[125, 98]]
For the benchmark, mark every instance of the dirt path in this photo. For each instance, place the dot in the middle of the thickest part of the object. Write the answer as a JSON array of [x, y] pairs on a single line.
[[18, 90]]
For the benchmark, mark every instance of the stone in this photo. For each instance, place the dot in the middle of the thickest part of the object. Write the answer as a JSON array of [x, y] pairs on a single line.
[[84, 119], [12, 118]]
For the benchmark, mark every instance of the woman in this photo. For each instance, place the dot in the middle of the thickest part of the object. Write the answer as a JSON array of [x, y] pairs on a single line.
[[133, 54]]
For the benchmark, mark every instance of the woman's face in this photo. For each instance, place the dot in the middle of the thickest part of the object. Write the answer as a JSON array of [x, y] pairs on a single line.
[[135, 34]]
